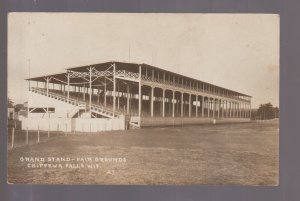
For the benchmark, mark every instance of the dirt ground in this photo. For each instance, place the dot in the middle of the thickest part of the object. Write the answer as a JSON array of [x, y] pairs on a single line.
[[231, 154]]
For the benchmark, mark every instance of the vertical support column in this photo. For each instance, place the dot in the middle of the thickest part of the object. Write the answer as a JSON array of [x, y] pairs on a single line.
[[239, 110], [114, 90], [219, 103], [152, 101], [90, 92], [229, 107], [242, 110], [104, 91], [128, 99], [233, 109], [68, 93], [250, 110], [47, 85], [173, 104], [214, 107], [221, 108], [181, 102], [163, 102], [83, 92], [197, 104], [140, 93], [190, 105], [225, 109], [118, 98], [202, 107], [208, 107]]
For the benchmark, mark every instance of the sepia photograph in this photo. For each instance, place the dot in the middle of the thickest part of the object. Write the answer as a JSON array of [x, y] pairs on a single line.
[[143, 99]]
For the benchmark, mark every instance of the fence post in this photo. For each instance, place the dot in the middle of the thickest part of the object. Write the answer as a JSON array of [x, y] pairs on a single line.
[[13, 138], [27, 136], [38, 134]]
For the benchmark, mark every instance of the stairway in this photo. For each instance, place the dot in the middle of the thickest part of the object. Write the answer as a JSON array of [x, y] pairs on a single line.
[[95, 108]]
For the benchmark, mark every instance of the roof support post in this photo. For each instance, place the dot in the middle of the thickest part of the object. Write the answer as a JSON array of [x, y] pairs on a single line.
[[196, 105], [128, 95], [226, 113], [208, 107], [68, 94], [152, 75], [202, 107], [152, 100], [98, 96], [83, 92], [240, 110], [90, 92], [234, 109], [47, 86], [105, 92], [181, 102], [140, 93], [244, 106], [222, 106], [214, 107], [163, 103], [230, 109], [219, 103], [250, 109], [173, 104], [118, 98], [114, 90], [190, 104]]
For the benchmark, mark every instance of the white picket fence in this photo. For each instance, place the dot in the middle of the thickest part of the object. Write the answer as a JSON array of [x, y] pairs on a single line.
[[73, 124]]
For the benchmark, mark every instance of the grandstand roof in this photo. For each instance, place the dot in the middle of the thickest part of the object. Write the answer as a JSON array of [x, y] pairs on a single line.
[[133, 67]]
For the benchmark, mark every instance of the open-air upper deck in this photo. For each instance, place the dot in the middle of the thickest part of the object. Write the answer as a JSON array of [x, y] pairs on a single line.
[[145, 74]]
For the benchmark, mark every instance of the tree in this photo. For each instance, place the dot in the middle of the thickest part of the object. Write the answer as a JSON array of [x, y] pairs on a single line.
[[267, 111], [10, 103], [18, 107]]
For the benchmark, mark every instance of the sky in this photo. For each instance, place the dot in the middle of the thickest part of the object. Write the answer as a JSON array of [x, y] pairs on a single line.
[[236, 51]]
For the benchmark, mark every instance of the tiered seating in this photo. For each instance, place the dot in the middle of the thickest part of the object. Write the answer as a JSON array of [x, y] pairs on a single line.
[[77, 100]]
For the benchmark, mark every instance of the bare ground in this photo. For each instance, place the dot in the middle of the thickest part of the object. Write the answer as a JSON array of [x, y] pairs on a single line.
[[231, 154]]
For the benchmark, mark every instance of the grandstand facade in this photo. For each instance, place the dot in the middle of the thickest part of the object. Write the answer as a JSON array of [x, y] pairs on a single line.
[[118, 95]]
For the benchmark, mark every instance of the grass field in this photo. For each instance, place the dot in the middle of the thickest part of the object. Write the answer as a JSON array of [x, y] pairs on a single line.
[[235, 154]]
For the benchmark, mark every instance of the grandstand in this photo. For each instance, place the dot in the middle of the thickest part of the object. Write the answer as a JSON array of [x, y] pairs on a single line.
[[119, 95]]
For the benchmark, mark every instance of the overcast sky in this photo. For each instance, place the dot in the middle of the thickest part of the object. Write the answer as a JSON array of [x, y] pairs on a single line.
[[236, 51]]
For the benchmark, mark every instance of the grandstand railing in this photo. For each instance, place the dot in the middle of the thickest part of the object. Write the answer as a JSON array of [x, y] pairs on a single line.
[[180, 86]]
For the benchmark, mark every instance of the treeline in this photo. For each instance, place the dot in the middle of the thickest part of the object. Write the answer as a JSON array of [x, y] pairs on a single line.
[[265, 111]]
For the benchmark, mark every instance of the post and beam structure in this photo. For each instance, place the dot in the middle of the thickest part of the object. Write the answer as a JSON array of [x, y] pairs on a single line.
[[90, 92], [173, 104], [196, 106], [130, 88], [140, 92], [68, 88], [128, 101], [152, 101], [202, 107], [114, 90], [163, 103]]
